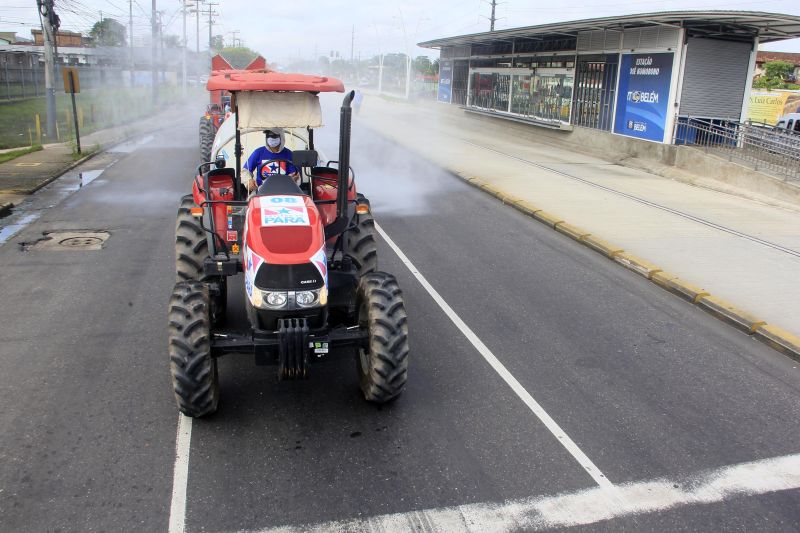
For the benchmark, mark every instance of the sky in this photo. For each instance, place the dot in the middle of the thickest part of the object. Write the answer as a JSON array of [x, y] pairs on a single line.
[[286, 30]]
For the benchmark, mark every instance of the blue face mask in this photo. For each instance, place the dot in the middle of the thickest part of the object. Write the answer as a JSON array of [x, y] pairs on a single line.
[[273, 142]]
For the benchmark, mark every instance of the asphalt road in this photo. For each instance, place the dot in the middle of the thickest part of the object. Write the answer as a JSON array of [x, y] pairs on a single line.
[[645, 385]]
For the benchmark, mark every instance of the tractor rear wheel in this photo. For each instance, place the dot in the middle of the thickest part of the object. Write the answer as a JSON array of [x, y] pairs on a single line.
[[383, 364], [206, 139], [361, 244], [191, 250], [194, 371]]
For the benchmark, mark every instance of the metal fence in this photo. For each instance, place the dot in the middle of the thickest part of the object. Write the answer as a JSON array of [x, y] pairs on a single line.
[[17, 82], [765, 149]]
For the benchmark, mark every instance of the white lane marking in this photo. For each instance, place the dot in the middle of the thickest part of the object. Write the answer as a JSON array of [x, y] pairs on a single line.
[[583, 507], [512, 382], [180, 475]]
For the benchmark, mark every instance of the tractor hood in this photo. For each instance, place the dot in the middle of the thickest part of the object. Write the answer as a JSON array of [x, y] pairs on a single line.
[[284, 229]]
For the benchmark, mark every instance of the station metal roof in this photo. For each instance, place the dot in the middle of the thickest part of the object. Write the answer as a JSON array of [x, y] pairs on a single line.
[[734, 25]]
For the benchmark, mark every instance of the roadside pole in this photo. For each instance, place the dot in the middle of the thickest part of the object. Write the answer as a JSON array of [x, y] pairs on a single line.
[[72, 86], [183, 54], [154, 30], [47, 17]]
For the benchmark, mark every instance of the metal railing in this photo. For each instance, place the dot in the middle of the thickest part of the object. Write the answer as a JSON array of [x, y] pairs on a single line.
[[765, 149]]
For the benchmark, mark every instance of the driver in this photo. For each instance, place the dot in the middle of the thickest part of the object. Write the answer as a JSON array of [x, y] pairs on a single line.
[[274, 157]]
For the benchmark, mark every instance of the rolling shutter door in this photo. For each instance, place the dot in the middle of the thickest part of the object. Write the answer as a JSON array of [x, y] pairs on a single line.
[[714, 78]]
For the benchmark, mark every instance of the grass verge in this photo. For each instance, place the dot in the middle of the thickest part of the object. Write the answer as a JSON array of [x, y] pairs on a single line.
[[8, 156]]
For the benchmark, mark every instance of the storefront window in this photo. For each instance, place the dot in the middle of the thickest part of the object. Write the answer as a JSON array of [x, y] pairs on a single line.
[[521, 94], [543, 93]]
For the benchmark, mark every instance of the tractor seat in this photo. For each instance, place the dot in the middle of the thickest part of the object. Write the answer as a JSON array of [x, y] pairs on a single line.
[[277, 184], [225, 171]]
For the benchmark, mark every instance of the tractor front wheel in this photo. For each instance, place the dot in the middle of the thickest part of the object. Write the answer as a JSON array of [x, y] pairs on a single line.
[[206, 139], [361, 244], [191, 250], [383, 364], [193, 369]]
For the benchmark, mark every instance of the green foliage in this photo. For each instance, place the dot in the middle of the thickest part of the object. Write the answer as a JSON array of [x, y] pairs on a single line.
[[775, 74], [8, 156], [108, 32], [217, 43], [778, 69], [171, 41], [238, 57]]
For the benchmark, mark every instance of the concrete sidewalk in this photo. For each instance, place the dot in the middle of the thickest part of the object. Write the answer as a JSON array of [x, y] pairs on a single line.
[[26, 174], [732, 244]]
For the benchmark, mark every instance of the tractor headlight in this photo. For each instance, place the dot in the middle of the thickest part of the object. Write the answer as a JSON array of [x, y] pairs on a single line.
[[305, 298], [266, 299], [275, 299]]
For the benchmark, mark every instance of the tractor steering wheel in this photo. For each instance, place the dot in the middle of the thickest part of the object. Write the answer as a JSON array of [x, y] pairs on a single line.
[[273, 166]]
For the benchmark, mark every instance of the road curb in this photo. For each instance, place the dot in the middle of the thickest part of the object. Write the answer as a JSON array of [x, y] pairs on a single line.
[[5, 209], [773, 336], [779, 339]]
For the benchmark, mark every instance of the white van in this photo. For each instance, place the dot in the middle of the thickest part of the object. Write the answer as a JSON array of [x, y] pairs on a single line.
[[790, 122]]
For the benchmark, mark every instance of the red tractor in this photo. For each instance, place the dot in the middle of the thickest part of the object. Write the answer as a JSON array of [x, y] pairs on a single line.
[[216, 112], [302, 251]]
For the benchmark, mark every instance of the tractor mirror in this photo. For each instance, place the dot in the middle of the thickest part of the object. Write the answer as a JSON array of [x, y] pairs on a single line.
[[305, 158], [220, 162]]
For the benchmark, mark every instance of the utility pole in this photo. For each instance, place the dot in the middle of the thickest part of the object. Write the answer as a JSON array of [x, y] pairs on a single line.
[[130, 36], [352, 43], [183, 51], [210, 13], [154, 30], [235, 33], [50, 24], [197, 13], [491, 20]]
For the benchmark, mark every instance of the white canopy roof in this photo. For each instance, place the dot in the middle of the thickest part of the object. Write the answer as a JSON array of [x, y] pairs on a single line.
[[267, 109]]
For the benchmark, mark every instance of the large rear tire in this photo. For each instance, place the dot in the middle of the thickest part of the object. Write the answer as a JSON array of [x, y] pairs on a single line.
[[191, 250], [383, 365], [206, 139], [193, 369], [361, 244]]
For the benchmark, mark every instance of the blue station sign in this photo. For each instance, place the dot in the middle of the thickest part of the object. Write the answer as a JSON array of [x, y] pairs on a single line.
[[445, 93], [643, 96]]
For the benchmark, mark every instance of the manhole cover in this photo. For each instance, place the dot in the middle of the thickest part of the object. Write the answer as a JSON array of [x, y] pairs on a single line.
[[72, 240], [81, 242]]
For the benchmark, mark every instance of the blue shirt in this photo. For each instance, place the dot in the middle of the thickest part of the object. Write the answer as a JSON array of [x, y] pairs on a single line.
[[263, 155]]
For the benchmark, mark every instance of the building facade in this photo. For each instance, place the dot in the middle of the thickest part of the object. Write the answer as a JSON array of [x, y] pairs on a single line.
[[637, 75]]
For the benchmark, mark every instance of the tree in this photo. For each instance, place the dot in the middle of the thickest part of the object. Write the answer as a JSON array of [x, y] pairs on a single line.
[[108, 32], [422, 64], [776, 73], [239, 56], [217, 42], [171, 41]]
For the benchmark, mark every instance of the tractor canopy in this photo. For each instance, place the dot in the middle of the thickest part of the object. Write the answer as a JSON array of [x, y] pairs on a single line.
[[267, 99]]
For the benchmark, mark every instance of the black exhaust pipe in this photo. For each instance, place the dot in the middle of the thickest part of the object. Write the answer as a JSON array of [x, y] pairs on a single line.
[[345, 121]]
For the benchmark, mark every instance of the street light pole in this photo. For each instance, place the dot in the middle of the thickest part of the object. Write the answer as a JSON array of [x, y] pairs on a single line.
[[183, 51], [154, 30]]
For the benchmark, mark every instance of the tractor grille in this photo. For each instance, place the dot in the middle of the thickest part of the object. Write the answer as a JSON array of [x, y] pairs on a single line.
[[288, 277]]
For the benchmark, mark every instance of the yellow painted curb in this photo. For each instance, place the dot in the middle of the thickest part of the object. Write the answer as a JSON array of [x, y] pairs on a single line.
[[729, 313], [779, 339], [527, 207], [548, 218], [637, 264], [773, 336], [603, 246], [662, 278], [571, 231], [685, 290]]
